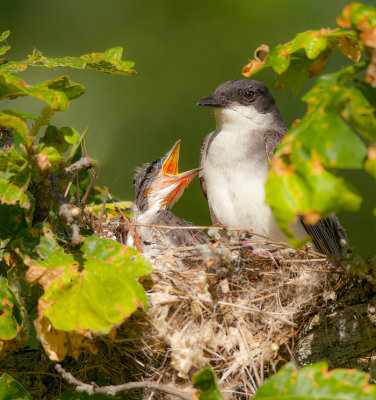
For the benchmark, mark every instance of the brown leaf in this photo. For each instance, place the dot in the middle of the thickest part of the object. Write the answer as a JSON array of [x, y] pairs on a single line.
[[348, 48], [344, 20], [371, 152], [59, 344], [260, 55], [43, 162], [311, 217], [261, 52]]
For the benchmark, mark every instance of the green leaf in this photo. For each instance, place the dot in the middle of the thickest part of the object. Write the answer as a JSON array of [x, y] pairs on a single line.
[[4, 36], [10, 389], [10, 314], [11, 87], [306, 188], [93, 288], [13, 187], [14, 122], [22, 114], [206, 382], [103, 294], [12, 221], [109, 62], [316, 382]]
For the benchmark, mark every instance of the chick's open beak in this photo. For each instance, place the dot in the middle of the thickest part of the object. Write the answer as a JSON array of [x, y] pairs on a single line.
[[170, 184]]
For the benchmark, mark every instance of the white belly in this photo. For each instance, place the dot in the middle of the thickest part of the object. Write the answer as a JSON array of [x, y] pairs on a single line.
[[235, 179]]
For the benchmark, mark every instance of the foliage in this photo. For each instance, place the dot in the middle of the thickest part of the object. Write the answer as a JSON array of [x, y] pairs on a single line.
[[11, 389], [89, 284], [206, 382], [316, 382], [339, 124]]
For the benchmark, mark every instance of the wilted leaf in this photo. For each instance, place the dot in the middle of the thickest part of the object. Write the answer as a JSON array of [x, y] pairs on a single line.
[[10, 389], [10, 314], [348, 48], [110, 62], [259, 61], [59, 344], [316, 382], [206, 382]]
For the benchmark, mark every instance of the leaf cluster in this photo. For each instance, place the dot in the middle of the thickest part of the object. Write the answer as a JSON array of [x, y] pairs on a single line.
[[338, 130], [76, 284]]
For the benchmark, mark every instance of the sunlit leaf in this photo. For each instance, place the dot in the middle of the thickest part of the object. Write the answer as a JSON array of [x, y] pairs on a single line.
[[110, 62], [370, 164], [10, 389], [94, 288], [316, 382]]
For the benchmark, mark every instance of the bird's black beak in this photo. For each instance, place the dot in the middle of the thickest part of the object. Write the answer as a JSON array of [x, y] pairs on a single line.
[[213, 101]]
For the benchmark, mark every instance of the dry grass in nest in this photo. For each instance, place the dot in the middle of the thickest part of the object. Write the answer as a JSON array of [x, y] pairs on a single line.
[[234, 304]]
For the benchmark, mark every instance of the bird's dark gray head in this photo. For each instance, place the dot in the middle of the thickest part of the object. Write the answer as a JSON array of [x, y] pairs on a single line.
[[158, 184], [243, 92]]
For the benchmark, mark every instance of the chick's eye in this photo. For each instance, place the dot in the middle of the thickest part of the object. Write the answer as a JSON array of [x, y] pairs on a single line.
[[248, 95]]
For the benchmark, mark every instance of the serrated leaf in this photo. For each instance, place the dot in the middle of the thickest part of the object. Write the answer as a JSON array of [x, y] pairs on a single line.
[[303, 188], [95, 288], [103, 294], [304, 57], [12, 86], [206, 382], [316, 382], [10, 314], [109, 62], [10, 389]]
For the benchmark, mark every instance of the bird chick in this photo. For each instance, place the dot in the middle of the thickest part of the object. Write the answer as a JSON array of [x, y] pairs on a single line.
[[158, 186]]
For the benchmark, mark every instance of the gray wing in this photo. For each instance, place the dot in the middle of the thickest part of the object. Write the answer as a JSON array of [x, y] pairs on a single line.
[[329, 236], [272, 139], [203, 151], [180, 237]]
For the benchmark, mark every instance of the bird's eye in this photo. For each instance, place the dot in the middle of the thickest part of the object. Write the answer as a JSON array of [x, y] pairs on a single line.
[[248, 95]]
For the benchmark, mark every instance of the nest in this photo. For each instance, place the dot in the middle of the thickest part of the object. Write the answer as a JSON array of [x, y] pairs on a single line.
[[235, 304]]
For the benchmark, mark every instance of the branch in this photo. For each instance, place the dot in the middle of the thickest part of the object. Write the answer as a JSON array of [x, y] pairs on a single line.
[[91, 389], [84, 163]]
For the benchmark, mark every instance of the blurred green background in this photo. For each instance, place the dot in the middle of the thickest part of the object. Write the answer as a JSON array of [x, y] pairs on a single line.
[[183, 50]]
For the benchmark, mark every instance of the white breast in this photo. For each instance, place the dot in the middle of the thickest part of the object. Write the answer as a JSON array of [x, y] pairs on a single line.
[[235, 170]]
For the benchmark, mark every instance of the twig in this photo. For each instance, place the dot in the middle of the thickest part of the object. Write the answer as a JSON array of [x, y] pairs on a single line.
[[78, 190], [91, 389], [88, 190], [100, 216], [84, 163]]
